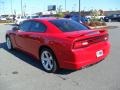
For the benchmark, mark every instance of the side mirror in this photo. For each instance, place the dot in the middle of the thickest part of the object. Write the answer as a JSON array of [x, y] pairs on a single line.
[[15, 28]]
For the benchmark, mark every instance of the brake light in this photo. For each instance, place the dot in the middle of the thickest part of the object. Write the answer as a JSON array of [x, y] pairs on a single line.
[[89, 41], [80, 44]]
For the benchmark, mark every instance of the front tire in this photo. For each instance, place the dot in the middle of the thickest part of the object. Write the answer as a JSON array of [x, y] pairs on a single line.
[[9, 43], [48, 60]]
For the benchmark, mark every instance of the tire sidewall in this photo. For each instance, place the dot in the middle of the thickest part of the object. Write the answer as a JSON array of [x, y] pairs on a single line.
[[10, 43]]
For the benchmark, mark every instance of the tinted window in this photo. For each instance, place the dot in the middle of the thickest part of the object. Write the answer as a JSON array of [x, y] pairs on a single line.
[[115, 15], [22, 17], [18, 17], [28, 17], [35, 16], [68, 25], [37, 27], [119, 15], [25, 26]]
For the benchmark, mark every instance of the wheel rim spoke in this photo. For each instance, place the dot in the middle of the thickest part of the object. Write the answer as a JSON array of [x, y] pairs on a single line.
[[51, 64], [46, 65], [46, 54]]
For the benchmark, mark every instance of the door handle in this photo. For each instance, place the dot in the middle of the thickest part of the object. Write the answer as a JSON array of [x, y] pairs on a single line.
[[22, 35]]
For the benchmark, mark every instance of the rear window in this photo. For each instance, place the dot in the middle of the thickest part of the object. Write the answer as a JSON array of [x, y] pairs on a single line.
[[68, 25]]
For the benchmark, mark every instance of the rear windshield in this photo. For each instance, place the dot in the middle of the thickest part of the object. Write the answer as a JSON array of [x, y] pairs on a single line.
[[68, 25]]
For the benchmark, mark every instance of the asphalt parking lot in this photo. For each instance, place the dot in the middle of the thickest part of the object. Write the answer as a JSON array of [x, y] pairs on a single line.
[[20, 72]]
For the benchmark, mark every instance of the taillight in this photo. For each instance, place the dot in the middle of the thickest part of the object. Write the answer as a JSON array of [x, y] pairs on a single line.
[[89, 41], [80, 44]]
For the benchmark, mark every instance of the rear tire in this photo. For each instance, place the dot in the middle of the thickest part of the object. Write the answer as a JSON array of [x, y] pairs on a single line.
[[48, 60]]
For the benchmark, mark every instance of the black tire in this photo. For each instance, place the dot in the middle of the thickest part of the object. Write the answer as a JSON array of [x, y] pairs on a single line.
[[9, 43], [54, 62]]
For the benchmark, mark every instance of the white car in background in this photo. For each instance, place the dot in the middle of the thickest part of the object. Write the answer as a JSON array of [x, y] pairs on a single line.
[[32, 16], [19, 19], [3, 18], [88, 17], [98, 17]]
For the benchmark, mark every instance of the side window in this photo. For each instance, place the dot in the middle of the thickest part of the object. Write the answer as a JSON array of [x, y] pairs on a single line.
[[115, 16], [25, 26], [37, 27], [28, 17], [18, 17], [119, 15]]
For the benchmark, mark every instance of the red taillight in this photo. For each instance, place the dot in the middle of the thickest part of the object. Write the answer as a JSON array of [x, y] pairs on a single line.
[[80, 44], [89, 41]]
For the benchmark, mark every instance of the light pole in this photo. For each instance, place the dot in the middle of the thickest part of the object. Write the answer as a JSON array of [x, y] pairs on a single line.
[[79, 9], [11, 8], [21, 7], [65, 5]]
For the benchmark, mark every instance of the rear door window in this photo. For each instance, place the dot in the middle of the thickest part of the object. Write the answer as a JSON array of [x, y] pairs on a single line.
[[37, 27]]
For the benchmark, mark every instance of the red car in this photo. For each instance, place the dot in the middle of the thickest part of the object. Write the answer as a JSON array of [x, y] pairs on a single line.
[[59, 43]]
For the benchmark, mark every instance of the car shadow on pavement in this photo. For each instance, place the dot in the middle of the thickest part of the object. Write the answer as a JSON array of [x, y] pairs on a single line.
[[30, 60]]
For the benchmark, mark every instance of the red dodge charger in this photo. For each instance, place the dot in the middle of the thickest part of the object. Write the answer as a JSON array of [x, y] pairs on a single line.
[[59, 43]]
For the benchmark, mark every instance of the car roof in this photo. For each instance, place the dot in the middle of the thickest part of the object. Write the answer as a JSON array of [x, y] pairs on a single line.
[[46, 18]]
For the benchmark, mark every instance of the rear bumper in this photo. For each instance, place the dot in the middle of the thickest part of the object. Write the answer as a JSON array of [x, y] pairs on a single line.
[[86, 56]]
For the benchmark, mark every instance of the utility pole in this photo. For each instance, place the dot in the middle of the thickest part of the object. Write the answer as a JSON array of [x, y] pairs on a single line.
[[21, 8], [0, 7], [11, 8], [24, 11], [65, 5], [79, 9]]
